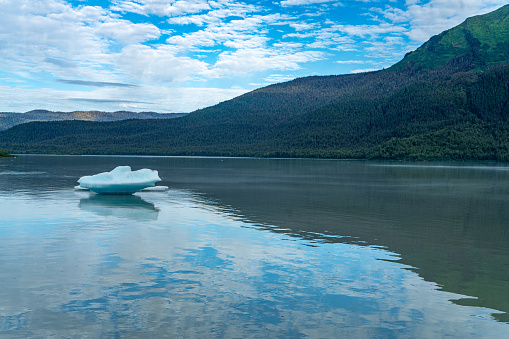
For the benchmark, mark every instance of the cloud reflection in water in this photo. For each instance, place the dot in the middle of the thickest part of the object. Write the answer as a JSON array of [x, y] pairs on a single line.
[[197, 268]]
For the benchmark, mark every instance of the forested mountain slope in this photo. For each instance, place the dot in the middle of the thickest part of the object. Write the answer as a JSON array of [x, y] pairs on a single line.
[[447, 100]]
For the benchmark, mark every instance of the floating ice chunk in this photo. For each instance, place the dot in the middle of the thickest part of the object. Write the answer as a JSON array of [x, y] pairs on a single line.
[[121, 180]]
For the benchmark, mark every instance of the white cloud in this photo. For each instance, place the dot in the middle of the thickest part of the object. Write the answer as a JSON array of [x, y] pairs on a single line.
[[259, 60], [288, 45], [302, 26], [68, 42], [184, 99], [143, 98], [276, 78], [25, 26], [159, 64], [286, 3], [380, 50], [369, 30], [161, 7], [247, 43], [219, 12], [300, 35], [364, 70], [350, 62], [331, 39], [239, 33], [51, 30], [127, 32]]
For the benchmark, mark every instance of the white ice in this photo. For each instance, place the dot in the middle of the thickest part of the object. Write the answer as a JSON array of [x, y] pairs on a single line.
[[121, 180]]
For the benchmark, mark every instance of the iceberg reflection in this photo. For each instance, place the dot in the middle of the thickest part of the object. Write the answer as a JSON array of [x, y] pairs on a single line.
[[122, 206]]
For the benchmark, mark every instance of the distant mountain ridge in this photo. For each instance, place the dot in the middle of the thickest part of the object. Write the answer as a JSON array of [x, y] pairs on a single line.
[[10, 119], [449, 99]]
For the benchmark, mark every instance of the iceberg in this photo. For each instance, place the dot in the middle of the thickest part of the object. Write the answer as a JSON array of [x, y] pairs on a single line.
[[120, 180]]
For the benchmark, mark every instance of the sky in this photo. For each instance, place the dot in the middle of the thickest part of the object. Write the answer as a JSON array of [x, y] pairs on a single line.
[[173, 56]]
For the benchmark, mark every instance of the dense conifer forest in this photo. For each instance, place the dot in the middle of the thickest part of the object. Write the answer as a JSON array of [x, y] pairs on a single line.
[[449, 99]]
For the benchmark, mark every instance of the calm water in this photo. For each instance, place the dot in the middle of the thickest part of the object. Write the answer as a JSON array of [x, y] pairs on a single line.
[[255, 248]]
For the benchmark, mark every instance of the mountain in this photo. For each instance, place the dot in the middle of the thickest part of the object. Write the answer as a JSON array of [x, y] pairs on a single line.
[[8, 120], [449, 99], [483, 40]]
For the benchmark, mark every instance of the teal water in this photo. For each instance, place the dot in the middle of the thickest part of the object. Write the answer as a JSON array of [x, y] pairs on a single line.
[[252, 248]]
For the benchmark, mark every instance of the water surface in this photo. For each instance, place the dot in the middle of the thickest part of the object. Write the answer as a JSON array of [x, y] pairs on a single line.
[[251, 248]]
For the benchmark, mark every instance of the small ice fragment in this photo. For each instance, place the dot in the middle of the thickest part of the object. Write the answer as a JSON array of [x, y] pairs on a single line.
[[155, 189]]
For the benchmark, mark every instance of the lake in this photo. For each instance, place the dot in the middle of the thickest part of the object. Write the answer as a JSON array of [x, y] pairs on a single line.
[[255, 248]]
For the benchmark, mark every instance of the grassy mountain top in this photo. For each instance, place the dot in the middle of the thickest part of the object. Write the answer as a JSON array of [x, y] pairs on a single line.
[[483, 40]]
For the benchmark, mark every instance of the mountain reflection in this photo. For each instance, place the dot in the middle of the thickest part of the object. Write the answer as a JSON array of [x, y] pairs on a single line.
[[449, 222], [122, 206]]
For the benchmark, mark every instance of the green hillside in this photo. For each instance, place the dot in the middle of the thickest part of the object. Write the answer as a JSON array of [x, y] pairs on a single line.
[[447, 100], [483, 40]]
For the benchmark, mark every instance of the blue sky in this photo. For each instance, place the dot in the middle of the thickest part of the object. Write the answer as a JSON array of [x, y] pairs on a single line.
[[181, 55]]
